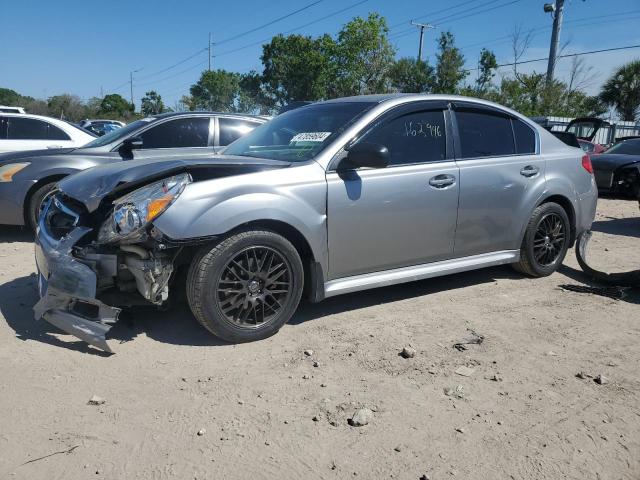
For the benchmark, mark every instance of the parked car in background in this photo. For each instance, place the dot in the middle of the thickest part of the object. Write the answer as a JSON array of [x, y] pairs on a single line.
[[19, 132], [27, 177], [585, 128], [330, 198], [101, 127], [617, 170], [7, 109]]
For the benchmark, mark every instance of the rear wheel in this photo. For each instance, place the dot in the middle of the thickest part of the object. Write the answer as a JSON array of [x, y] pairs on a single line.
[[35, 203], [246, 287], [545, 242]]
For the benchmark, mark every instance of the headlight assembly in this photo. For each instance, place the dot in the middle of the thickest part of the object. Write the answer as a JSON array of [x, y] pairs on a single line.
[[8, 171], [133, 212]]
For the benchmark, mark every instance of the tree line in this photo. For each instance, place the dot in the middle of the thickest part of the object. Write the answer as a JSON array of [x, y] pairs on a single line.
[[360, 59]]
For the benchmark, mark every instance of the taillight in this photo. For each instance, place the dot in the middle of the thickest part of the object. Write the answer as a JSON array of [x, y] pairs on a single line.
[[586, 164]]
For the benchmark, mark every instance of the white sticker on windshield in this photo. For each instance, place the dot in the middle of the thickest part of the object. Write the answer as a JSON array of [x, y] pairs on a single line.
[[310, 137]]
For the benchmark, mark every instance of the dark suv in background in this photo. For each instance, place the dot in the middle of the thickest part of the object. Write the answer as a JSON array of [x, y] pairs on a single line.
[[27, 177]]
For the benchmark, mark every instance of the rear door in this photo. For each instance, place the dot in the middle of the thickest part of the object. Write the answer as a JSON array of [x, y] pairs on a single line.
[[25, 133], [180, 136], [500, 173], [405, 214]]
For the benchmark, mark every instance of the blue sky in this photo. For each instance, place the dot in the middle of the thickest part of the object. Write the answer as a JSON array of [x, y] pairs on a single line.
[[85, 48]]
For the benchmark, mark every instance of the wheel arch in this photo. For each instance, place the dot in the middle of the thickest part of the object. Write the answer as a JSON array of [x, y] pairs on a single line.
[[52, 178], [313, 273], [568, 207]]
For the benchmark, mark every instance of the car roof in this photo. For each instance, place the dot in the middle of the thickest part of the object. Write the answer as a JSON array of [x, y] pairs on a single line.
[[207, 113]]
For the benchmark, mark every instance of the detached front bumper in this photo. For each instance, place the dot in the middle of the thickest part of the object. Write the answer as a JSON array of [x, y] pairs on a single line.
[[68, 287]]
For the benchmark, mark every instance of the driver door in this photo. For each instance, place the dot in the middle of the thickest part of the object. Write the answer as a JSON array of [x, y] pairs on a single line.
[[405, 214]]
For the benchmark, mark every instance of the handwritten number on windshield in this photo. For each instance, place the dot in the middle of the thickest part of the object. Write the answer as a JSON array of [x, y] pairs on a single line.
[[422, 129]]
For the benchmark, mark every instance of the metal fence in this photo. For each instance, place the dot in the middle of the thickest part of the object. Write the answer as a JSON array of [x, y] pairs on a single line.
[[606, 134]]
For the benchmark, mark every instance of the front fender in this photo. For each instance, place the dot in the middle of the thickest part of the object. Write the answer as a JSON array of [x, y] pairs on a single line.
[[295, 196]]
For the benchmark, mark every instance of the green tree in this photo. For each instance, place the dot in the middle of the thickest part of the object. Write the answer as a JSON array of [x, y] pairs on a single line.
[[151, 103], [67, 106], [450, 65], [10, 97], [217, 90], [114, 105], [296, 67], [486, 70], [252, 97], [363, 57], [411, 76], [622, 91]]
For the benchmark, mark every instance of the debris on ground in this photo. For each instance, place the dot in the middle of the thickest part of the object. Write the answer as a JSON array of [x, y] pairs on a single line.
[[308, 353], [457, 392], [495, 378], [582, 375], [474, 339], [316, 364], [201, 432], [464, 371], [96, 400], [361, 417], [601, 380], [616, 293], [408, 352]]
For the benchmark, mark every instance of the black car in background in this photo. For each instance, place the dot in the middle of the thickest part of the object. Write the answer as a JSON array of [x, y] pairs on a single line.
[[186, 136], [617, 170]]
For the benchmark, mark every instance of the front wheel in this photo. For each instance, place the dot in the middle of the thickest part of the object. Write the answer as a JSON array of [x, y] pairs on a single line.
[[545, 242], [246, 287]]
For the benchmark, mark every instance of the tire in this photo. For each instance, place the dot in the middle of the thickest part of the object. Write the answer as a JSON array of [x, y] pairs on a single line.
[[34, 202], [542, 251], [232, 293]]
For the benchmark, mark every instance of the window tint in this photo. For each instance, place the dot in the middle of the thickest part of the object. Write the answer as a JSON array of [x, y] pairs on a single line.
[[413, 138], [3, 128], [484, 134], [525, 137], [231, 129], [32, 129], [182, 132]]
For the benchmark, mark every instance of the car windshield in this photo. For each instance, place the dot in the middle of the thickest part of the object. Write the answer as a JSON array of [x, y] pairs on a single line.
[[300, 134], [626, 147], [118, 134]]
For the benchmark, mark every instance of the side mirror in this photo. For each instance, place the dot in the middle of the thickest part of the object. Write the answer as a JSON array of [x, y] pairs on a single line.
[[364, 154], [132, 143]]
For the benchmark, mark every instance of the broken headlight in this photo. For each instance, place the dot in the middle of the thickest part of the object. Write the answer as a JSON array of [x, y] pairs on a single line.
[[133, 212]]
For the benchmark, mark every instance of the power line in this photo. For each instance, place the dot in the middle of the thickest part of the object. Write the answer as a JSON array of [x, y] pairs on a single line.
[[234, 37], [253, 44], [173, 75], [457, 18], [453, 7], [579, 21], [628, 47], [174, 65]]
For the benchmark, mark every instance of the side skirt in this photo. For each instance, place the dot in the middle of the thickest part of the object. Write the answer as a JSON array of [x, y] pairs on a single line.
[[418, 272]]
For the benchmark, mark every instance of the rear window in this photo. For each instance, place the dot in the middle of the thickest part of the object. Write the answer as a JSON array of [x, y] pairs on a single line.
[[232, 129], [525, 137], [484, 134]]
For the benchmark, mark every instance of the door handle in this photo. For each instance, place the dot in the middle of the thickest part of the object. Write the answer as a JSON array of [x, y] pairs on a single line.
[[529, 171], [442, 181]]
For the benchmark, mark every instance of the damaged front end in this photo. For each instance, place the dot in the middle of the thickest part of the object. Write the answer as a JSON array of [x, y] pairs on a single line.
[[91, 264]]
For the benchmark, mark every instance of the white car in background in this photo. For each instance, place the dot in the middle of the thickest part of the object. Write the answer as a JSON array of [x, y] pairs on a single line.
[[7, 109], [22, 131]]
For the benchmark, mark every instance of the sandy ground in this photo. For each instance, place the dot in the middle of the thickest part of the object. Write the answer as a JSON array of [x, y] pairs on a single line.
[[267, 412]]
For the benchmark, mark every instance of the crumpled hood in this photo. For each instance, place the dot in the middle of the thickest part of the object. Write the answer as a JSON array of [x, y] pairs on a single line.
[[11, 157], [608, 162], [91, 186]]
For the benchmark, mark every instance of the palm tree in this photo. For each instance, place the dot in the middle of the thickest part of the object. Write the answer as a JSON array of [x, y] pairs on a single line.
[[622, 91]]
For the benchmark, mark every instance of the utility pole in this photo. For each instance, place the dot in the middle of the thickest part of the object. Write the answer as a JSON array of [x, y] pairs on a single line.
[[556, 10], [421, 26], [131, 83], [210, 51]]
